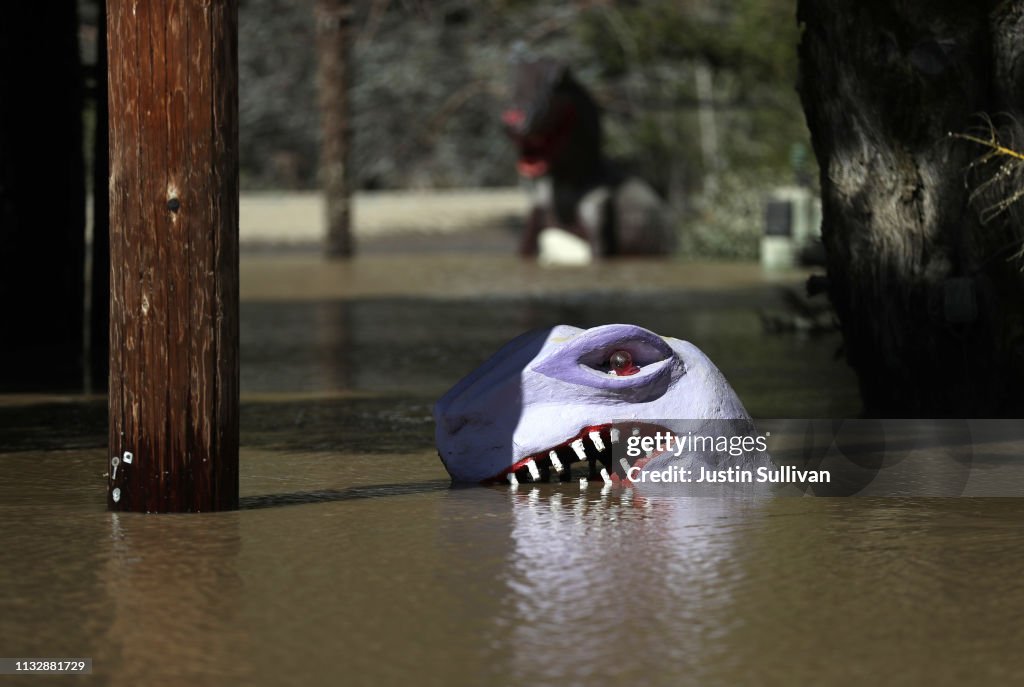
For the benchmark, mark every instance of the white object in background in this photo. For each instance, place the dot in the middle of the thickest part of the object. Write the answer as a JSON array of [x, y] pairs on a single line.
[[777, 252], [792, 221], [559, 247]]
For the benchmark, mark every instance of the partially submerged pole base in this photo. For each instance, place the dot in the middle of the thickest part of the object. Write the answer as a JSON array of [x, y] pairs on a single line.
[[173, 256]]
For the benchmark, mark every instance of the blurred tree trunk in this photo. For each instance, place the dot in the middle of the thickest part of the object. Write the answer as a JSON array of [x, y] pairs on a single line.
[[42, 198], [333, 44], [925, 285], [708, 126]]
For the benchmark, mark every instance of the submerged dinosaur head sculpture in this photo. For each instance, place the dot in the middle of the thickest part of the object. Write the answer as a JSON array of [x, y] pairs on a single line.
[[550, 396]]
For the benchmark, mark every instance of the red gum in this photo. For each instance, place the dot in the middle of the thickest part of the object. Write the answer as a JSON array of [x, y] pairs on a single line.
[[501, 476], [544, 454]]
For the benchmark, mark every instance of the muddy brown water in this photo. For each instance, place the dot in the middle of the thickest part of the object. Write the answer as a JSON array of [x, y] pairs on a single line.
[[353, 561]]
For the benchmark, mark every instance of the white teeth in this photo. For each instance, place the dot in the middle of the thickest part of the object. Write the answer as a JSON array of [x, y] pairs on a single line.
[[615, 435], [604, 475], [534, 472], [625, 465], [577, 446], [598, 442], [512, 479], [583, 482], [555, 463]]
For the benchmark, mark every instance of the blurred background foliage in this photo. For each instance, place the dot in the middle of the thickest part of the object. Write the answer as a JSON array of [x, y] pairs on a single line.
[[430, 80], [699, 97]]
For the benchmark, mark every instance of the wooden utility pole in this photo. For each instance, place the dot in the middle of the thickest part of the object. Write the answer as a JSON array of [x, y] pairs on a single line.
[[333, 39], [174, 255]]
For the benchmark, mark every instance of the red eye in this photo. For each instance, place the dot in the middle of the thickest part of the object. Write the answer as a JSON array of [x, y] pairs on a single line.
[[621, 363]]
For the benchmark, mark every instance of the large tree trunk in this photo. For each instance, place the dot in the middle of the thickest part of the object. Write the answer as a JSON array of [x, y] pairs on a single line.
[[923, 282], [333, 38], [42, 198]]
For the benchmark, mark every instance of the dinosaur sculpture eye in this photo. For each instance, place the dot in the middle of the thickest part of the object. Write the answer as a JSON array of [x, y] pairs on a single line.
[[621, 363], [619, 357]]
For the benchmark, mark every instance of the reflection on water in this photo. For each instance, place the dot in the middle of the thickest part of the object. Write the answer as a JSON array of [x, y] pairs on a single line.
[[369, 569], [421, 347], [637, 582], [353, 562]]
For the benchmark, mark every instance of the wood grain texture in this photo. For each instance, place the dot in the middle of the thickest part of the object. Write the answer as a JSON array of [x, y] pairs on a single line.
[[174, 254]]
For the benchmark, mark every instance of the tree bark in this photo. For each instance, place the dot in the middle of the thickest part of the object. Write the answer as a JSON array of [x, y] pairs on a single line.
[[174, 254], [42, 198], [333, 43], [924, 284]]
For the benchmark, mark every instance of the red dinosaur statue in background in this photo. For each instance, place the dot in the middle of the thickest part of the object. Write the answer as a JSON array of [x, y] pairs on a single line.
[[557, 128]]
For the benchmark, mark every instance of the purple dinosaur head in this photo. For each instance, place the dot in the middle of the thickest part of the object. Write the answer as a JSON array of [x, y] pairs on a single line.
[[549, 391]]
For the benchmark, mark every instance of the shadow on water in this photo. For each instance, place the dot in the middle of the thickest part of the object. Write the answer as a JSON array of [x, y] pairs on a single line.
[[375, 491], [77, 424], [391, 358], [366, 424], [422, 346]]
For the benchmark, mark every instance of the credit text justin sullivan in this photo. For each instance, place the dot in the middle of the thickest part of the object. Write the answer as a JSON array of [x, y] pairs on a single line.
[[785, 474]]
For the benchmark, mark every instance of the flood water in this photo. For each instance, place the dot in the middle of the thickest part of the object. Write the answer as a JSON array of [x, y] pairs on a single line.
[[353, 561]]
